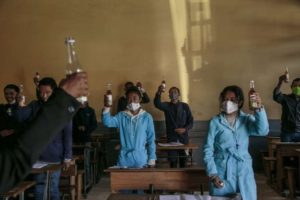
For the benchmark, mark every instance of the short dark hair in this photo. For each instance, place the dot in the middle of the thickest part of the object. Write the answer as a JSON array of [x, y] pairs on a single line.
[[133, 89], [237, 91], [295, 80], [176, 88], [48, 81], [13, 87], [129, 83]]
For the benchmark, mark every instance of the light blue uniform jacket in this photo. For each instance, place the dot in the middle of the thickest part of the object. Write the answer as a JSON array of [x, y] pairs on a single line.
[[137, 137], [226, 153]]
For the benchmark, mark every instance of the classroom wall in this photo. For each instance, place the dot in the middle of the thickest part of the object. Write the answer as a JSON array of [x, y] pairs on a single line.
[[198, 45]]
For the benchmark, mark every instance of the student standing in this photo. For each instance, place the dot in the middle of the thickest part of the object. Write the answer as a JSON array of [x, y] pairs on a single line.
[[179, 120]]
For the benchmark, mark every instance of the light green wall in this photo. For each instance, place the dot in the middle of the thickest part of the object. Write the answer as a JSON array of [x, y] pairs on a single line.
[[120, 40]]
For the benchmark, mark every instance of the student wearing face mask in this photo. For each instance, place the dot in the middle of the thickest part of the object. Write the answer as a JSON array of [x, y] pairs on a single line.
[[290, 117], [179, 121], [122, 102], [137, 135], [226, 157]]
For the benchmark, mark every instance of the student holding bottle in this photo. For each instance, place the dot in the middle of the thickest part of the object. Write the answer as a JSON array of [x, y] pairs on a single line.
[[226, 157]]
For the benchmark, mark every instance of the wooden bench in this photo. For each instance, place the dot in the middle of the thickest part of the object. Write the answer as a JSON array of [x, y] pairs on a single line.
[[284, 149], [18, 190], [170, 179], [74, 182], [269, 160]]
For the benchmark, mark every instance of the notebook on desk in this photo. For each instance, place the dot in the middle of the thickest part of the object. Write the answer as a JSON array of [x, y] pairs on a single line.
[[195, 197], [39, 165], [170, 144]]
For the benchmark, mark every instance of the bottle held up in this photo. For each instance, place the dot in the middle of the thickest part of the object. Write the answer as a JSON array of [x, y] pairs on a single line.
[[287, 75], [73, 65], [108, 100], [253, 102], [163, 85]]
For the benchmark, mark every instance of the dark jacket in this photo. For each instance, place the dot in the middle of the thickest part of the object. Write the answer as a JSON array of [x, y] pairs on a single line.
[[60, 147], [16, 161], [8, 121], [290, 117], [177, 116], [84, 117]]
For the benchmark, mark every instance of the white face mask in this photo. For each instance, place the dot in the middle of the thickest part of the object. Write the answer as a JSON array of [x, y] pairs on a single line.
[[133, 106], [229, 107]]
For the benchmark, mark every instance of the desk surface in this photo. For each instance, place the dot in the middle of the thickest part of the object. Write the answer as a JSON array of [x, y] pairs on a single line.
[[154, 169], [273, 137], [20, 188], [185, 146], [286, 143], [49, 168], [158, 197]]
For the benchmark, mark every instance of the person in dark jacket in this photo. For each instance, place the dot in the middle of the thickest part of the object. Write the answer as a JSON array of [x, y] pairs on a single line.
[[16, 161], [84, 123], [290, 117], [59, 150], [8, 121], [122, 102], [179, 121]]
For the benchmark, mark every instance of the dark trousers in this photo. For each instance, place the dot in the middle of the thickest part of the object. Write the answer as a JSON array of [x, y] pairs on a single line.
[[177, 155], [290, 137]]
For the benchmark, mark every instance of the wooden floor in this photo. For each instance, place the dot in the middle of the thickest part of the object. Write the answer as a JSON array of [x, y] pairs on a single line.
[[102, 190]]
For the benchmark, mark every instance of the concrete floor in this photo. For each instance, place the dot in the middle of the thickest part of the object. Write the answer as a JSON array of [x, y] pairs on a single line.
[[101, 191]]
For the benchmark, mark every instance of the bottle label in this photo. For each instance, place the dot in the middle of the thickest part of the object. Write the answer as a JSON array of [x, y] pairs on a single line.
[[253, 102], [109, 99]]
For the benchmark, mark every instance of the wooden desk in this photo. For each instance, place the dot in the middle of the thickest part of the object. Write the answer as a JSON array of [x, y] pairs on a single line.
[[157, 197], [48, 170], [298, 152], [284, 149], [172, 179], [18, 190], [271, 140], [181, 147], [132, 197], [189, 146], [101, 137]]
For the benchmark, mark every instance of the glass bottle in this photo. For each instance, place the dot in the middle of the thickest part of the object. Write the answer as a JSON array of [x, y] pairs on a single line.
[[252, 97], [36, 79], [163, 84], [37, 76], [22, 96], [139, 85], [108, 95], [287, 75], [73, 65]]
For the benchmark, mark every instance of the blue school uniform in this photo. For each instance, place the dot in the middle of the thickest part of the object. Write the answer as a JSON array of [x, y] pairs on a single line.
[[226, 152], [137, 137]]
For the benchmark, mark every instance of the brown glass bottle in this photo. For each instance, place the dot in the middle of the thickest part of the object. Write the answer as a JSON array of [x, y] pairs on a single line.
[[252, 97], [163, 84], [108, 95], [287, 75]]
